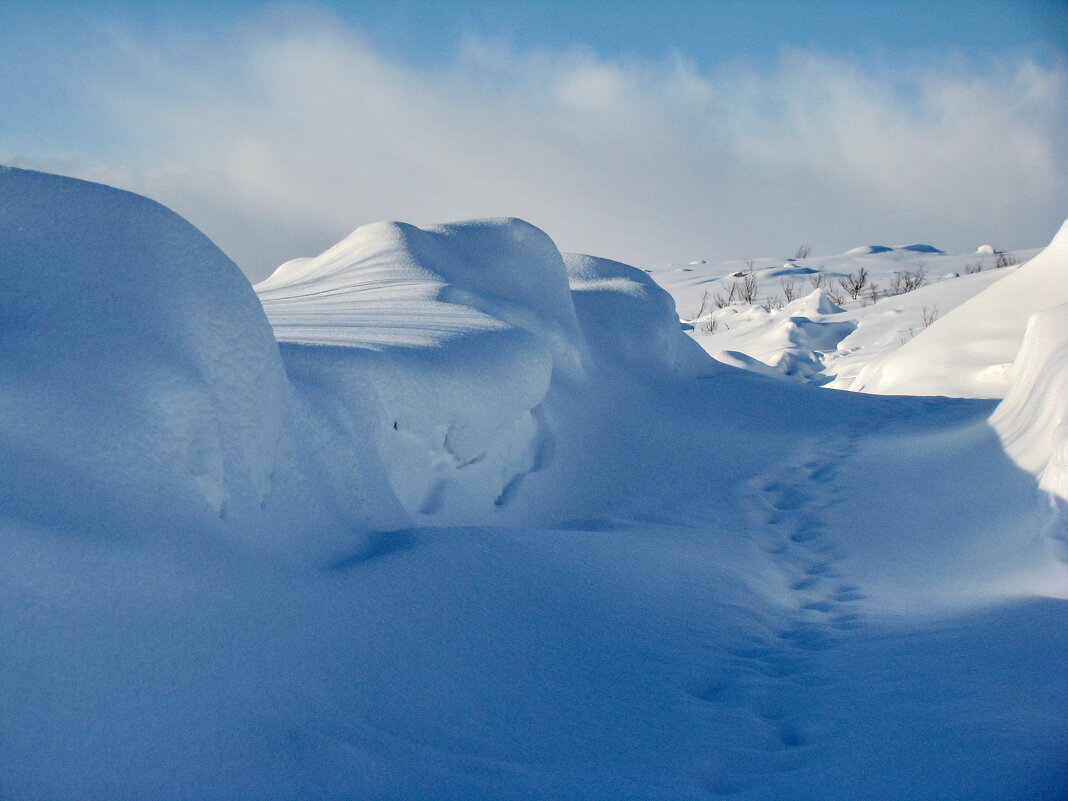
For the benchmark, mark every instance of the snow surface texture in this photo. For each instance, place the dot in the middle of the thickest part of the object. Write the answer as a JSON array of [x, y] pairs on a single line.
[[484, 523], [1033, 418], [134, 362], [854, 343], [454, 336]]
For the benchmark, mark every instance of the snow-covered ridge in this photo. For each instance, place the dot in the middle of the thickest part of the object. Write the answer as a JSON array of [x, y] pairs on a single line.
[[876, 339], [457, 334], [1033, 418], [136, 362], [412, 375]]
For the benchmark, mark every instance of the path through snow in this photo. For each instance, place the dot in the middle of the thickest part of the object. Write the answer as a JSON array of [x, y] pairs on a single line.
[[773, 673]]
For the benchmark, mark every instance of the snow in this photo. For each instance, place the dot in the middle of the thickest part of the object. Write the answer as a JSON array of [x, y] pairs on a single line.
[[462, 336], [969, 352], [1032, 419], [135, 362], [453, 358], [878, 341], [450, 514]]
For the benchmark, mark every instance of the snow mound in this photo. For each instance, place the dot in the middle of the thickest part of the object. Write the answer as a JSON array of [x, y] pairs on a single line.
[[789, 269], [969, 352], [135, 362], [985, 250], [403, 285], [1033, 419], [438, 348], [789, 342], [814, 303], [867, 250], [627, 317], [919, 248]]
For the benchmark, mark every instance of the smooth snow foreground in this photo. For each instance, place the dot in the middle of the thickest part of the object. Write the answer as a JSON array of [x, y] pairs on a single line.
[[461, 517]]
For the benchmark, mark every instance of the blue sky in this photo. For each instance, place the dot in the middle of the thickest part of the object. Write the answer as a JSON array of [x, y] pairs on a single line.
[[707, 31], [644, 132]]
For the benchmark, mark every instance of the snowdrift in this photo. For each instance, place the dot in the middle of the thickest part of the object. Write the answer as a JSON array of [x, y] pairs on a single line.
[[791, 340], [1033, 419], [682, 588], [139, 379], [421, 372], [969, 352], [439, 347]]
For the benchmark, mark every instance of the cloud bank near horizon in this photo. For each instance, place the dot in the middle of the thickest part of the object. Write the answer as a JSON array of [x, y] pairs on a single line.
[[280, 135]]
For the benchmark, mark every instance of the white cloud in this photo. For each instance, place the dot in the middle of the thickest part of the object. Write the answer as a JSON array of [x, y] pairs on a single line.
[[280, 136]]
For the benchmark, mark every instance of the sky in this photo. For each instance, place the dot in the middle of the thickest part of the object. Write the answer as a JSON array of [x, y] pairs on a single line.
[[648, 133]]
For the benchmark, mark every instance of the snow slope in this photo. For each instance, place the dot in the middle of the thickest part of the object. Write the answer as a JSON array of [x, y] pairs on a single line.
[[1032, 419], [455, 350], [969, 352], [134, 362], [842, 347], [520, 538]]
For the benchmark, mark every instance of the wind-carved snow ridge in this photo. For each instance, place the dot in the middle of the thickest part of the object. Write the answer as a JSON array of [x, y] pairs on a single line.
[[136, 364], [417, 373], [1033, 419], [451, 339]]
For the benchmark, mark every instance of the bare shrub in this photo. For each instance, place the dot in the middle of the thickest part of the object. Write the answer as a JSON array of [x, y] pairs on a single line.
[[930, 315], [789, 290], [1003, 259], [908, 280], [818, 278], [874, 292], [802, 252], [747, 286], [914, 278], [706, 302], [854, 283], [973, 268]]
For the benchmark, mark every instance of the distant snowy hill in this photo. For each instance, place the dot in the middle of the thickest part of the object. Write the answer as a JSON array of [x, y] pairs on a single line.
[[867, 328], [970, 351], [443, 513]]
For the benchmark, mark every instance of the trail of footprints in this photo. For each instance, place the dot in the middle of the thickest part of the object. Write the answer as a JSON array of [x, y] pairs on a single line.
[[769, 676]]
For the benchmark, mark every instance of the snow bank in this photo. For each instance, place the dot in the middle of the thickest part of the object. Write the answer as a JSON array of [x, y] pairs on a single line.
[[628, 318], [969, 352], [439, 347], [1033, 419], [792, 341], [139, 379], [419, 374]]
